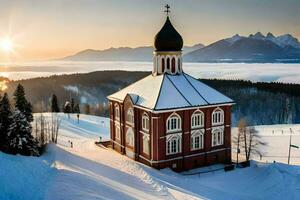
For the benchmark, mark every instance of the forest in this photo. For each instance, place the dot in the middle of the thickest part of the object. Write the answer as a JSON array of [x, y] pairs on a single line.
[[259, 102]]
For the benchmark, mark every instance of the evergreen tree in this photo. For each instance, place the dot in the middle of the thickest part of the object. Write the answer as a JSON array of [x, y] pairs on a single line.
[[54, 104], [1, 133], [5, 121], [77, 109], [22, 104], [67, 108], [72, 105], [19, 134]]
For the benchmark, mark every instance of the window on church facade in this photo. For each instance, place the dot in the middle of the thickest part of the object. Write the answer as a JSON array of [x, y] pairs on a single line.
[[130, 137], [217, 137], [218, 117], [117, 112], [173, 65], [117, 132], [168, 64], [197, 140], [130, 116], [173, 144], [197, 120], [174, 123], [163, 65], [145, 122], [146, 144]]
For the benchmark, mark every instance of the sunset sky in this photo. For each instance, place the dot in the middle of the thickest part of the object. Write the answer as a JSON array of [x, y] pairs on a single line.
[[41, 29]]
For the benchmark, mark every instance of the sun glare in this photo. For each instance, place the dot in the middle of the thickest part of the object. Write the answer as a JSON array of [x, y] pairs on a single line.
[[6, 45]]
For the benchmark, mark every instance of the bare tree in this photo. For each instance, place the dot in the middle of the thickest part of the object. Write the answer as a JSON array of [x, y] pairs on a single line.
[[248, 139]]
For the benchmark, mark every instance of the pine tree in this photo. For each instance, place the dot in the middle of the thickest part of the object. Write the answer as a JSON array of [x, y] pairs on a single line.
[[1, 133], [22, 104], [77, 109], [54, 104], [67, 108], [19, 134], [5, 121], [72, 105]]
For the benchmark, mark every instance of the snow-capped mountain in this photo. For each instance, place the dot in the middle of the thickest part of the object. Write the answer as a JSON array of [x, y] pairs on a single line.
[[287, 40], [281, 40], [254, 48]]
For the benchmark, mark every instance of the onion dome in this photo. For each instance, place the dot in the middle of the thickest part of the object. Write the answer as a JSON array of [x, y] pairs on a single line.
[[168, 39]]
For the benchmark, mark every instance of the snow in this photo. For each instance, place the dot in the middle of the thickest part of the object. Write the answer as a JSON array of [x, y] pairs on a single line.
[[91, 172], [155, 92], [146, 89], [277, 138]]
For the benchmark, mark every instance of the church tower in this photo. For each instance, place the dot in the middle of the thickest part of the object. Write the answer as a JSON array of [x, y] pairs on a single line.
[[168, 45]]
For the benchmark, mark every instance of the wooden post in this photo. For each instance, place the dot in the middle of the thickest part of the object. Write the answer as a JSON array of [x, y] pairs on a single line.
[[290, 147]]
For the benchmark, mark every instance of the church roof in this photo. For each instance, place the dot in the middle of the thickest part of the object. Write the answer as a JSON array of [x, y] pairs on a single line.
[[168, 39], [166, 92]]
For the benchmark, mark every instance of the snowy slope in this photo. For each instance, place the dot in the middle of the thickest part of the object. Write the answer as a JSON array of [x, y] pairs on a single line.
[[90, 172]]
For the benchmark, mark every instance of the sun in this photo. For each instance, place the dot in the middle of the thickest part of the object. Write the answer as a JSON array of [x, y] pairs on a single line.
[[7, 45]]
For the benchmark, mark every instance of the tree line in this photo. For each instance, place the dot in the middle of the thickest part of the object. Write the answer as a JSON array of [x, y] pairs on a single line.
[[260, 102]]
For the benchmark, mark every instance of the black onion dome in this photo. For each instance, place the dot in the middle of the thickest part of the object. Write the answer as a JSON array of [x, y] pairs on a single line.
[[168, 39]]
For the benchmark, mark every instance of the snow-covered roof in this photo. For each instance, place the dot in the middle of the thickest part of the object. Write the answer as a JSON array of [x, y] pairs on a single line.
[[164, 92]]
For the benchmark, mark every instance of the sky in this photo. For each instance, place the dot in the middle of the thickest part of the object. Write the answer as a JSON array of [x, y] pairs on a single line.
[[47, 29]]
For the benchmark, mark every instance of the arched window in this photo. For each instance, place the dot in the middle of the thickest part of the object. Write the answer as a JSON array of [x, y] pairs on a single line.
[[217, 137], [146, 144], [168, 64], [130, 116], [174, 123], [197, 140], [117, 112], [162, 65], [173, 66], [197, 120], [217, 117], [173, 144], [130, 137], [145, 122], [179, 65], [117, 132]]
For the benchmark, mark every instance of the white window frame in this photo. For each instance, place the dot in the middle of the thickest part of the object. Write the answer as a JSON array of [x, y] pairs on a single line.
[[198, 134], [217, 117], [145, 122], [173, 144], [146, 144], [130, 116], [173, 123], [117, 132], [217, 137], [130, 137], [197, 119], [117, 112]]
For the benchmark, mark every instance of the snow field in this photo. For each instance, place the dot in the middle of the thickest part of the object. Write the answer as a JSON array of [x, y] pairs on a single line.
[[87, 171]]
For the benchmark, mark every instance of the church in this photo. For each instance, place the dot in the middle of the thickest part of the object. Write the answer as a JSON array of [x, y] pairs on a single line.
[[169, 118]]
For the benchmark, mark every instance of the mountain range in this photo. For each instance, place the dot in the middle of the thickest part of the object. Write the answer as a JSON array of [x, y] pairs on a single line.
[[255, 48], [122, 54]]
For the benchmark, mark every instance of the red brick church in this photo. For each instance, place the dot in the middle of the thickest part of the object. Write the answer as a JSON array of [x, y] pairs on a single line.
[[169, 118]]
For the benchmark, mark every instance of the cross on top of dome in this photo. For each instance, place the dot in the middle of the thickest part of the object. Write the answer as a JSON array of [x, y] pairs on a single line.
[[167, 9]]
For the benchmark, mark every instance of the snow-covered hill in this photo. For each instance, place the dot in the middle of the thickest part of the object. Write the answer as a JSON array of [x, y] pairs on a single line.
[[88, 172]]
